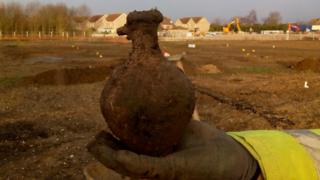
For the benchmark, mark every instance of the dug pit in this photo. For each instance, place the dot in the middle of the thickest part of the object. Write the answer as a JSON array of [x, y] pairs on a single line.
[[70, 76]]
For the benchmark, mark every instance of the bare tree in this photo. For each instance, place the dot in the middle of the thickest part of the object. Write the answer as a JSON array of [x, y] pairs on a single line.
[[56, 18], [2, 16], [274, 18], [81, 11], [218, 21], [252, 16], [250, 19], [15, 17], [80, 16], [31, 11]]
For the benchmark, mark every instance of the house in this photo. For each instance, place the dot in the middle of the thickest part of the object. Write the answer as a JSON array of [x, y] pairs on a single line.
[[108, 23], [166, 24], [176, 32], [112, 22], [315, 28], [93, 20], [194, 24]]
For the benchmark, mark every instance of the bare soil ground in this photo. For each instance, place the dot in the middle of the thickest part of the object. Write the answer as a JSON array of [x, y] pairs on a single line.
[[49, 95]]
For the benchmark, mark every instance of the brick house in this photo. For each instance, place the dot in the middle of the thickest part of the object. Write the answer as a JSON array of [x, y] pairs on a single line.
[[93, 21], [166, 24], [112, 22], [108, 23]]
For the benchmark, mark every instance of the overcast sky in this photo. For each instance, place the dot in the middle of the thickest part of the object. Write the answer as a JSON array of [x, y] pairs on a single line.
[[291, 10]]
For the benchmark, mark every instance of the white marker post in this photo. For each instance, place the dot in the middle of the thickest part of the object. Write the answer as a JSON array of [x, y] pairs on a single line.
[[39, 35], [191, 45], [27, 34], [313, 36]]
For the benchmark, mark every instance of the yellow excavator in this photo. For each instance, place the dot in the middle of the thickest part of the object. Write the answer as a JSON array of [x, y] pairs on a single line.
[[233, 26]]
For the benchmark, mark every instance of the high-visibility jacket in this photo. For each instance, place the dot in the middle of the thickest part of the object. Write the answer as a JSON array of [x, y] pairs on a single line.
[[284, 155]]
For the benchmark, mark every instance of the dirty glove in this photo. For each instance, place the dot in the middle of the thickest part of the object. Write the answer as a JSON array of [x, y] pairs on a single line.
[[204, 153]]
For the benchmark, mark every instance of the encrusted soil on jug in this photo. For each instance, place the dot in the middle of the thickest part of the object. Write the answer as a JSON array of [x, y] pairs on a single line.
[[147, 102], [44, 127]]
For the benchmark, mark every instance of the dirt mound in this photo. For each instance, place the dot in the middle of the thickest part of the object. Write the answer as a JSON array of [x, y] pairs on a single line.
[[21, 131], [308, 64], [89, 74], [209, 68]]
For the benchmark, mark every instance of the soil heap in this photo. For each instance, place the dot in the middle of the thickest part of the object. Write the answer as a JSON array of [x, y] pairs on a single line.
[[308, 64], [210, 69], [147, 102]]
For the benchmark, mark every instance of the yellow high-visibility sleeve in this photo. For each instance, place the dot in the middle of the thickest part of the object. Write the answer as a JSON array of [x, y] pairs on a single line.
[[279, 155], [310, 141], [317, 131]]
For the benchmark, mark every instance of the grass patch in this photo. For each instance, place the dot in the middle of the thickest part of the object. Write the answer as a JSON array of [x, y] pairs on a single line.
[[10, 81]]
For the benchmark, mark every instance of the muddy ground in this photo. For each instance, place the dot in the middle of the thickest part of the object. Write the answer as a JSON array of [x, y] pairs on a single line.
[[49, 95]]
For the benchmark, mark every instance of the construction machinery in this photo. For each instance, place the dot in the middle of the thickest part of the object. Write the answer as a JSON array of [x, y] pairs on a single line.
[[299, 27], [233, 26], [293, 27]]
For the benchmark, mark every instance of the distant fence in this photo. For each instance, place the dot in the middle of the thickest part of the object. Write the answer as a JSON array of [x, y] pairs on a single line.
[[61, 36], [113, 37], [255, 37]]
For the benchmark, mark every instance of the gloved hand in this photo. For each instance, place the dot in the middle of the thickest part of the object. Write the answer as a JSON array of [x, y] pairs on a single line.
[[204, 153]]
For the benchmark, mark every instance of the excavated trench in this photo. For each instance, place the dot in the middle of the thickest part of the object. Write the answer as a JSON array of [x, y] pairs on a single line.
[[70, 76], [275, 120]]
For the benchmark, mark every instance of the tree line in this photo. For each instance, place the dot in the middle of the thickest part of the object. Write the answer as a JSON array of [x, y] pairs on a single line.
[[36, 17]]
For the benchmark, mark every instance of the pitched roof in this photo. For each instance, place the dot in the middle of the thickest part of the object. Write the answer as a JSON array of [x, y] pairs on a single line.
[[197, 19], [112, 17], [95, 18], [185, 20], [166, 21]]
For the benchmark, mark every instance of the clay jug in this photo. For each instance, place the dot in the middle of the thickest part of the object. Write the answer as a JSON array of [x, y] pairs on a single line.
[[147, 102]]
